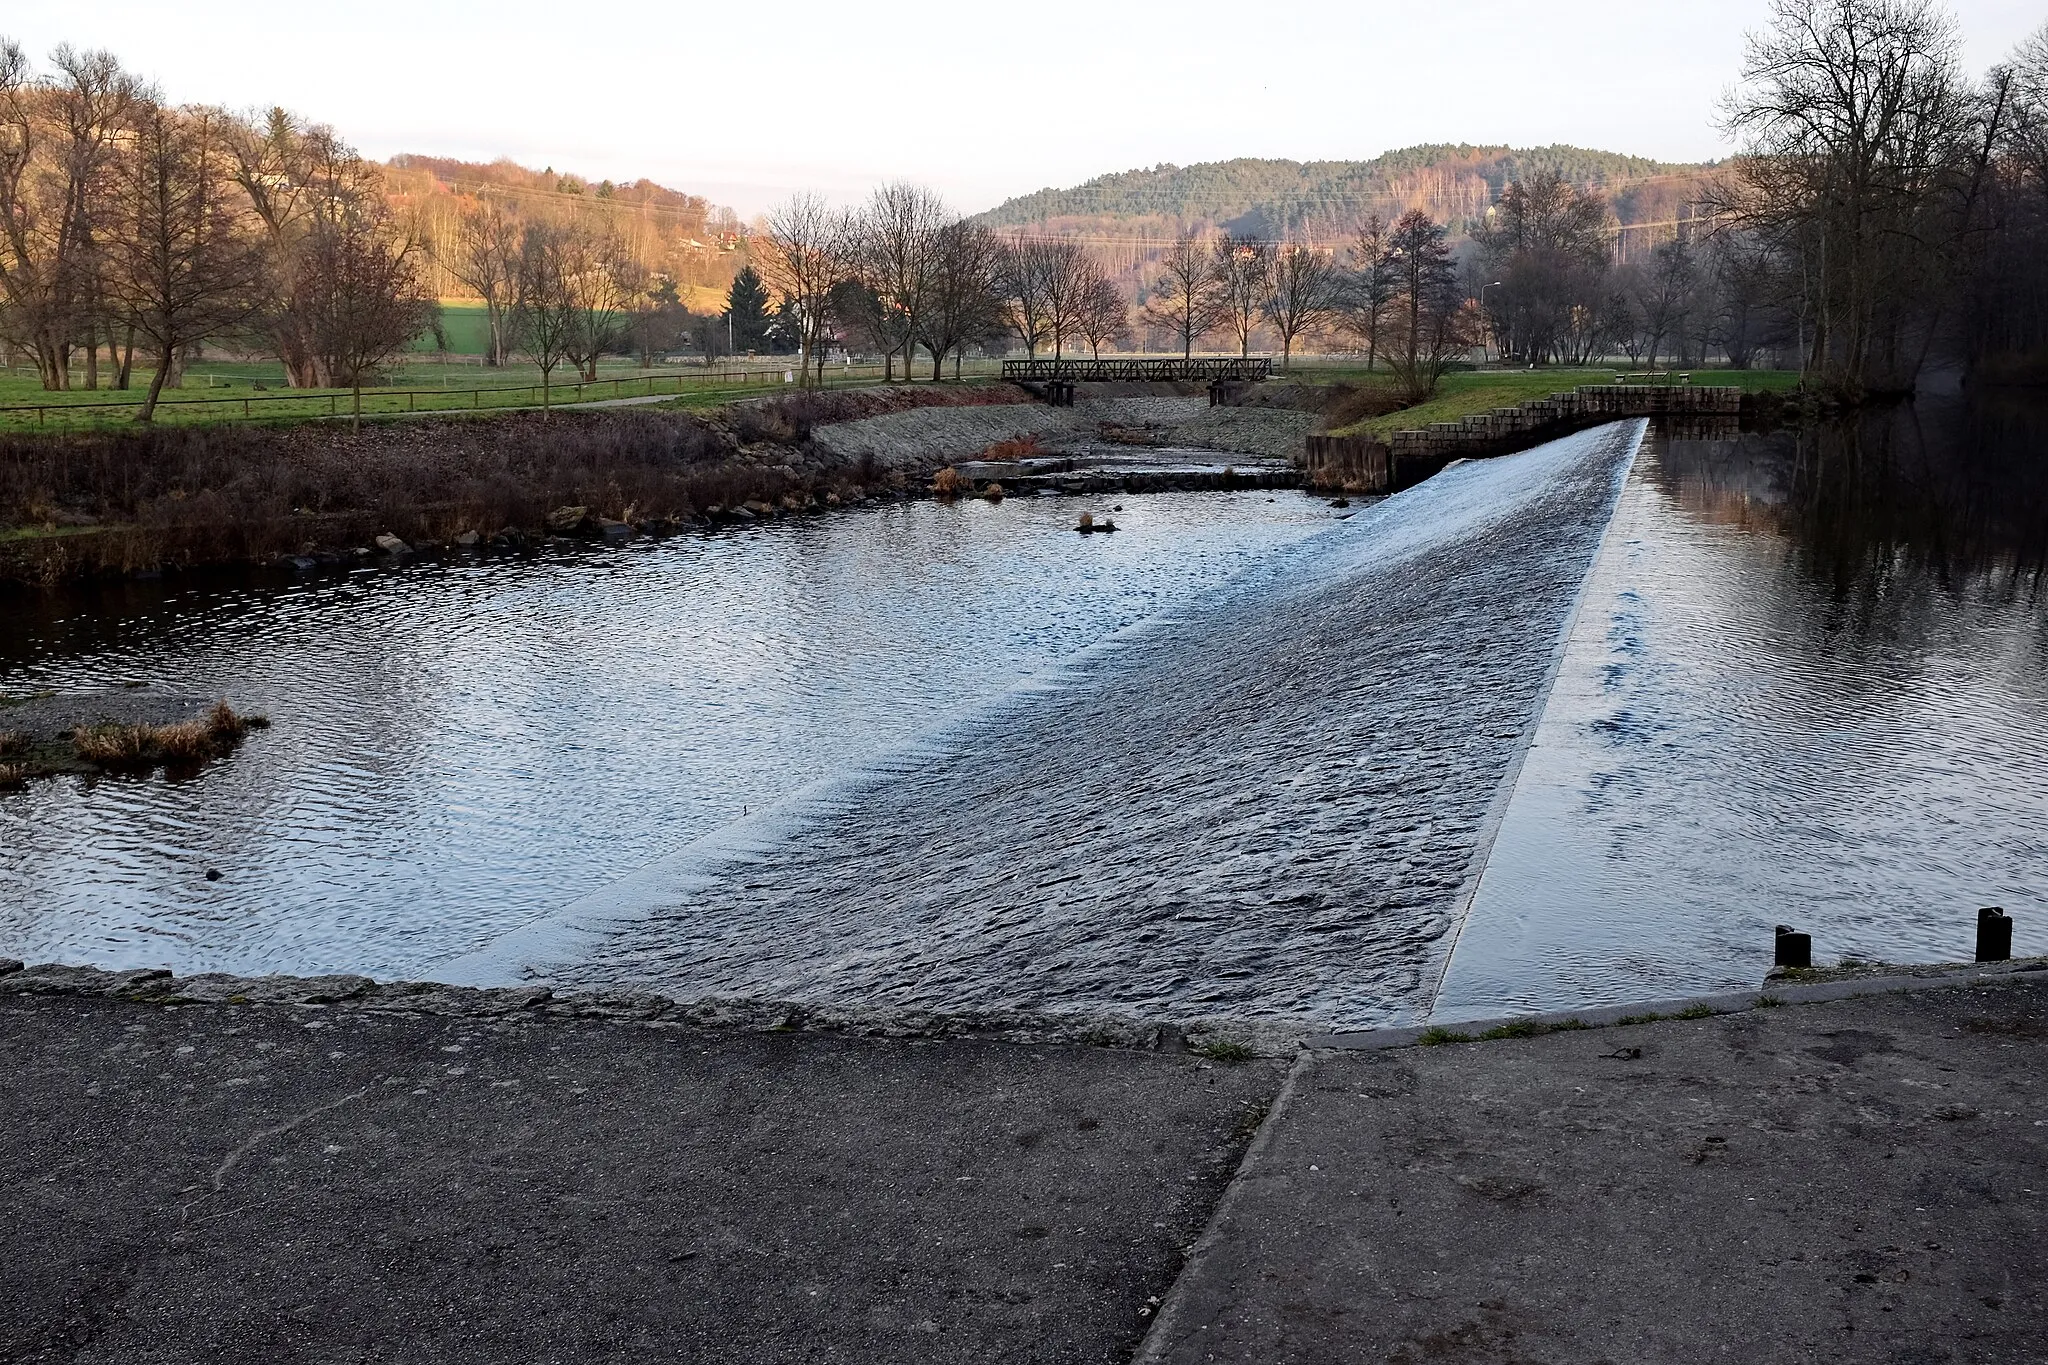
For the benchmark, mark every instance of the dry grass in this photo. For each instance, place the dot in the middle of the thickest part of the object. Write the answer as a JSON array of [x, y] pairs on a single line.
[[115, 746], [12, 777], [182, 744], [947, 483], [1021, 448], [13, 743]]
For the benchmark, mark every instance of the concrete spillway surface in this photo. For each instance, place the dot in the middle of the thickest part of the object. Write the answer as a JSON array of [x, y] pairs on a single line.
[[1262, 806], [1740, 736]]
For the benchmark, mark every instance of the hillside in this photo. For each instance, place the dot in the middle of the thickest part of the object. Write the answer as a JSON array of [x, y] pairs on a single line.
[[680, 236], [1326, 199]]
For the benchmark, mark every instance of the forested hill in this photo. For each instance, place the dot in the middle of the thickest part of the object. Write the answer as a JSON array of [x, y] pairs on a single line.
[[1289, 198]]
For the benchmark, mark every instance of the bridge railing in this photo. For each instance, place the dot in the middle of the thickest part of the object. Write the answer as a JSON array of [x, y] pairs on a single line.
[[1129, 370]]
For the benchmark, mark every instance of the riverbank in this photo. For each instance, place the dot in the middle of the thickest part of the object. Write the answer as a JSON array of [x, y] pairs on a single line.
[[84, 505], [91, 504], [268, 1175]]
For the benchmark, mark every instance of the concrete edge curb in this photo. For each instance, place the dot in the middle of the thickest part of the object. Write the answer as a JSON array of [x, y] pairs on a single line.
[[1158, 1339], [1771, 993], [155, 986]]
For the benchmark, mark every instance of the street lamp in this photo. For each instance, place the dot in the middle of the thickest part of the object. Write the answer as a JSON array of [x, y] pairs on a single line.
[[1482, 312]]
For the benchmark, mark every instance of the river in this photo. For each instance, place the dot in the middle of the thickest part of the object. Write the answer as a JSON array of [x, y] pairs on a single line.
[[1567, 727]]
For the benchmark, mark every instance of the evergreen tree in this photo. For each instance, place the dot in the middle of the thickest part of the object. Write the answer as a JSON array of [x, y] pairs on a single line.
[[747, 300]]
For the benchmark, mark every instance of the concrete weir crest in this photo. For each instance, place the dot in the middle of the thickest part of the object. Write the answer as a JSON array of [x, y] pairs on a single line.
[[1489, 830]]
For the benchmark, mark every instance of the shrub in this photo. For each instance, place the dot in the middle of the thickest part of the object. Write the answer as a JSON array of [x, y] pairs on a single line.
[[947, 483], [13, 743], [1020, 448]]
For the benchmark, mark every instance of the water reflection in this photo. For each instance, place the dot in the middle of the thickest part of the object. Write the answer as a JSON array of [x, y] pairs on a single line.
[[460, 746], [1808, 683]]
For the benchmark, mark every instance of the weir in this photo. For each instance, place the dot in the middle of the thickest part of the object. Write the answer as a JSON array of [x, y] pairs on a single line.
[[1243, 370]]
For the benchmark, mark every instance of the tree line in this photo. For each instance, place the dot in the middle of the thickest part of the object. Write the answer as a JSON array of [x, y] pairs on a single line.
[[1890, 209], [903, 273], [130, 224]]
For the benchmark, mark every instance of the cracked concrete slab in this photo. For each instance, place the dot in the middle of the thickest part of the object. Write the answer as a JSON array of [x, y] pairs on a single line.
[[283, 1183]]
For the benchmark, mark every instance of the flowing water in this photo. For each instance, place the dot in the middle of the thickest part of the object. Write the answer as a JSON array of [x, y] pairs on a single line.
[[461, 746], [1567, 727], [1807, 684]]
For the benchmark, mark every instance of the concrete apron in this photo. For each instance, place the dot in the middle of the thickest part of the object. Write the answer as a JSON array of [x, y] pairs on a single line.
[[1216, 1264]]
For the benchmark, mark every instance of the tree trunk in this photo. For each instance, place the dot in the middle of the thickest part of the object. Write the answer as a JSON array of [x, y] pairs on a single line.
[[156, 384], [92, 355], [127, 359]]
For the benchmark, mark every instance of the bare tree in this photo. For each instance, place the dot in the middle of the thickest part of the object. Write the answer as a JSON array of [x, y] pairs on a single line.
[[1368, 293], [1306, 285], [1244, 285], [603, 281], [1662, 294], [1105, 315], [1065, 273], [1546, 243], [183, 265], [1185, 300], [803, 256], [57, 154], [964, 299], [892, 244], [545, 312], [1023, 285], [358, 279], [486, 260], [310, 190], [1857, 152], [1429, 323]]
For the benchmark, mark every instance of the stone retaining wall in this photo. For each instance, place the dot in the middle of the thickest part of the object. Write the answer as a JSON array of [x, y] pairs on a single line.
[[1365, 464]]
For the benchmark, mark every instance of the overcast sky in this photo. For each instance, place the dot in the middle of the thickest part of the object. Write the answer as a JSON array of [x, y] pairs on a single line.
[[745, 100]]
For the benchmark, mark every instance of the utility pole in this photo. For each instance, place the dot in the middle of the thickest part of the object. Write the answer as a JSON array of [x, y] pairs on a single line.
[[1482, 313]]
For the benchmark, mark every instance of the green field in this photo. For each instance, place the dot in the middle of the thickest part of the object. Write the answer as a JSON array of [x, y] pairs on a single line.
[[235, 391], [1465, 393], [465, 325]]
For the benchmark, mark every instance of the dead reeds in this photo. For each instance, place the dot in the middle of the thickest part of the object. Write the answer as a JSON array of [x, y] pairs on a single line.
[[123, 747], [947, 483], [13, 743]]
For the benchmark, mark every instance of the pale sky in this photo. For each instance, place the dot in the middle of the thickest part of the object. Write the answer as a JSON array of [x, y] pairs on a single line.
[[745, 101]]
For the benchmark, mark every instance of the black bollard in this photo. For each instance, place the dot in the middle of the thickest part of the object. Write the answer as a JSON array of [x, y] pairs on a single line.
[[1994, 935], [1794, 948]]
